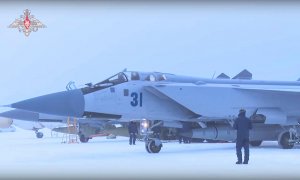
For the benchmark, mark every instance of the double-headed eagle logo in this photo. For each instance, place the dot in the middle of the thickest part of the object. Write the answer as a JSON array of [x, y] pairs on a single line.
[[27, 23]]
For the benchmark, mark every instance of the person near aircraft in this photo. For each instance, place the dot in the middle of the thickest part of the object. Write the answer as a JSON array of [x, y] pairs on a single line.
[[133, 131], [242, 124]]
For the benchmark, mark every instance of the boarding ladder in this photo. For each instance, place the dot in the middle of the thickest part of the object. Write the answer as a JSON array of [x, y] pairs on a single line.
[[71, 136]]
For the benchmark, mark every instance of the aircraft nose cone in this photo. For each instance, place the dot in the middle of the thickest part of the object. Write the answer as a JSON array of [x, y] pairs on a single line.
[[66, 103]]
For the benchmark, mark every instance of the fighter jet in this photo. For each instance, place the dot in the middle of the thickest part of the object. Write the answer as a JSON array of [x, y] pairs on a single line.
[[173, 100]]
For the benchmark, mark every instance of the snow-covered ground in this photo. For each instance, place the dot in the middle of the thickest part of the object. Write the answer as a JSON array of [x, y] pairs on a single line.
[[25, 156]]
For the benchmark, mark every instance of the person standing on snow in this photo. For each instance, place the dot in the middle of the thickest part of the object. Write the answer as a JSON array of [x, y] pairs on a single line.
[[242, 124]]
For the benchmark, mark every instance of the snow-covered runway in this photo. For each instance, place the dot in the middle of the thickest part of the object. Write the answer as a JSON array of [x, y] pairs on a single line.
[[23, 155]]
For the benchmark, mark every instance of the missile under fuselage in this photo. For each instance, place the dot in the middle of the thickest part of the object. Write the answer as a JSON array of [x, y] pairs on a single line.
[[266, 132]]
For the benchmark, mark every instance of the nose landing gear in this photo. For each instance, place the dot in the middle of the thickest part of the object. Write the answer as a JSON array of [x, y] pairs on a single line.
[[39, 134], [152, 145]]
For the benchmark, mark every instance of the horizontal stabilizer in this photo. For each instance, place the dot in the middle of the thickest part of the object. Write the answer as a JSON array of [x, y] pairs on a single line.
[[223, 76], [245, 74]]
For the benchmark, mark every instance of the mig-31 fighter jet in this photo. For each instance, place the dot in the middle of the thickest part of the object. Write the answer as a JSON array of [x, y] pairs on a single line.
[[171, 100]]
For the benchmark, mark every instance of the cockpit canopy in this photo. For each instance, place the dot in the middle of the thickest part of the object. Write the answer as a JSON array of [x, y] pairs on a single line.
[[132, 76], [145, 76], [125, 76]]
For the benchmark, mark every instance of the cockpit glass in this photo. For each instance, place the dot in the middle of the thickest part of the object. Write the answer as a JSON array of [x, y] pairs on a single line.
[[151, 77], [135, 76], [122, 77], [117, 79], [162, 77]]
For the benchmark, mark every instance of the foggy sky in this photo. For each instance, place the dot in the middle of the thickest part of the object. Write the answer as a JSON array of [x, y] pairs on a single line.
[[87, 42]]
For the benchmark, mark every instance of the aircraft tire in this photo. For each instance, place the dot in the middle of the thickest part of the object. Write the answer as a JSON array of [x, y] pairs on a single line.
[[283, 141], [255, 143], [147, 148], [39, 135], [83, 139], [153, 148]]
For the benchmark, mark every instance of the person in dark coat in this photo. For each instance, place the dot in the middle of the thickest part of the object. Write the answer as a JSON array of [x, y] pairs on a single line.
[[133, 131], [242, 124]]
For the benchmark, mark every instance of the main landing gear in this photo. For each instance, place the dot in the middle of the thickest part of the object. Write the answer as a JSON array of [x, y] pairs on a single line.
[[287, 139]]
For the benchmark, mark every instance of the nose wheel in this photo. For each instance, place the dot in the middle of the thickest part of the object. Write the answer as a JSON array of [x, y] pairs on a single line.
[[153, 145], [39, 135]]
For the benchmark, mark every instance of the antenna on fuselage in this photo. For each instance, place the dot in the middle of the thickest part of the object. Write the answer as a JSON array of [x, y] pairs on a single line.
[[213, 74], [124, 70]]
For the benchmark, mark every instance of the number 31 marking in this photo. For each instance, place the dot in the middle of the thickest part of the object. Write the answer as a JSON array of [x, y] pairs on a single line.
[[136, 100]]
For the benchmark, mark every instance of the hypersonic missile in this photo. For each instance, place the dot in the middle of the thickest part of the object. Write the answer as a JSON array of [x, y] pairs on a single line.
[[227, 133]]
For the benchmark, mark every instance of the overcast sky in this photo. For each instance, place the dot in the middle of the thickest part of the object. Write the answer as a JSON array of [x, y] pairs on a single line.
[[89, 41]]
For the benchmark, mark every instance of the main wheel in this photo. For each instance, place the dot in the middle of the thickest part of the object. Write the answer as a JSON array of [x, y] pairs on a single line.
[[283, 141], [255, 143], [39, 135], [153, 148], [83, 139]]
